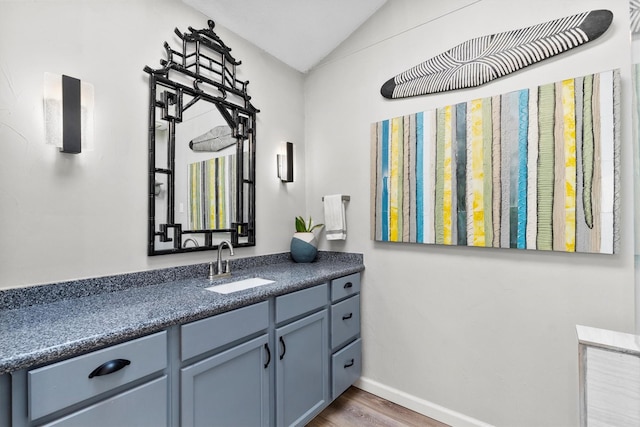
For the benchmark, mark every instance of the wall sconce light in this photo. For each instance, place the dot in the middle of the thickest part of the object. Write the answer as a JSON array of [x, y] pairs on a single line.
[[285, 163], [157, 188], [68, 113]]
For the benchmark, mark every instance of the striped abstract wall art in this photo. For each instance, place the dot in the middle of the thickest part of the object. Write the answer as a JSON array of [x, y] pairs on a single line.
[[486, 58], [531, 169], [212, 192]]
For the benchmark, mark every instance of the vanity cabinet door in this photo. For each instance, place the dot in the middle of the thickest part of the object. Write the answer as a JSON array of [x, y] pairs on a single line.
[[5, 400], [228, 389], [302, 377]]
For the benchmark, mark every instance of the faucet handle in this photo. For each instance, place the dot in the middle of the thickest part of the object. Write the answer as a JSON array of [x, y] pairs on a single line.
[[212, 272], [227, 269]]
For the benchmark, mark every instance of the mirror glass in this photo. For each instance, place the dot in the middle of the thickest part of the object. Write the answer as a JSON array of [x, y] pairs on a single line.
[[201, 149]]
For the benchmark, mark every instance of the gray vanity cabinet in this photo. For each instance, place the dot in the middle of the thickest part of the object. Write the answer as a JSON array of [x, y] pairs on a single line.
[[346, 345], [230, 385], [302, 365], [278, 362]]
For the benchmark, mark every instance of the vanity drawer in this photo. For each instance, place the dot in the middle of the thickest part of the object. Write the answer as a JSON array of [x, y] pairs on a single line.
[[62, 384], [300, 302], [143, 406], [345, 320], [208, 334], [346, 367], [346, 286]]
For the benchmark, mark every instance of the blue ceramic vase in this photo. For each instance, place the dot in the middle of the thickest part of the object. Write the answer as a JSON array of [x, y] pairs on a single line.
[[304, 247]]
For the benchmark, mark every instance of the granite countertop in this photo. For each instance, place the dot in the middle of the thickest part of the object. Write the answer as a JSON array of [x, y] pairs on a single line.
[[35, 334]]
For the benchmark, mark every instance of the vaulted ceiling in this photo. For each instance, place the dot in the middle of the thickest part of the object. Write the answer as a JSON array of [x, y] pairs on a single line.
[[298, 32]]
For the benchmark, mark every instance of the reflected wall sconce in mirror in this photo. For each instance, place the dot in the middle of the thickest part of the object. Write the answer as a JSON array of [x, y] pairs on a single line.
[[68, 113], [285, 162], [157, 188]]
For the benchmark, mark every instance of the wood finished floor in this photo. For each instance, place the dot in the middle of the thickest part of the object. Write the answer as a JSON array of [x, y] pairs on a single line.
[[357, 408]]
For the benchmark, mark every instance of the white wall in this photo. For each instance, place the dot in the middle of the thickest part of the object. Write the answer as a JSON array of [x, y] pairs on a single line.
[[487, 333], [66, 217]]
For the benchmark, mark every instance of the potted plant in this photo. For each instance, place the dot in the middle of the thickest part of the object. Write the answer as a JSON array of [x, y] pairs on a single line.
[[304, 246]]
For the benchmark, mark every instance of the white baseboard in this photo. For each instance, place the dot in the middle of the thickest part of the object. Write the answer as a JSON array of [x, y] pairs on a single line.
[[421, 406]]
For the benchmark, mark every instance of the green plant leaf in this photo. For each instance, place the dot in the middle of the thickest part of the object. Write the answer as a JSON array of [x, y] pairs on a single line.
[[303, 227], [316, 226]]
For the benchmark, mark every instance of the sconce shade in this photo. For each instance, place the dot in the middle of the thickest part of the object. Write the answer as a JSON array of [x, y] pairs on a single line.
[[285, 163], [68, 113]]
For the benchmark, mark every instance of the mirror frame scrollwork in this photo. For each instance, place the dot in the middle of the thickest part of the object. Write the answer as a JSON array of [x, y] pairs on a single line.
[[202, 69]]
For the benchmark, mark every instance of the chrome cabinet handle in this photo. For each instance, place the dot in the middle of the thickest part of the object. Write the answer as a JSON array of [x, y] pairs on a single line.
[[109, 367], [348, 285], [349, 363], [347, 316]]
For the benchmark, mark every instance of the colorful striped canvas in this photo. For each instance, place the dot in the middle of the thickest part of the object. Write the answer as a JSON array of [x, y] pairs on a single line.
[[212, 193], [531, 169]]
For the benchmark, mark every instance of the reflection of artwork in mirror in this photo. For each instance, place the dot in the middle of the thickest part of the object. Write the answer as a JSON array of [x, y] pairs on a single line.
[[211, 193], [201, 148]]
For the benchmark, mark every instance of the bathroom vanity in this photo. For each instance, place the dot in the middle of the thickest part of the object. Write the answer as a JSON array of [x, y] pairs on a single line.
[[178, 354]]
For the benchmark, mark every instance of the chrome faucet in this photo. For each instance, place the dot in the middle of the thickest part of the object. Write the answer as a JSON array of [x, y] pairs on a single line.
[[219, 272]]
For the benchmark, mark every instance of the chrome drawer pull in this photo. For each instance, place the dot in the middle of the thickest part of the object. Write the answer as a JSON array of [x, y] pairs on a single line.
[[348, 285], [109, 367], [347, 316], [349, 364]]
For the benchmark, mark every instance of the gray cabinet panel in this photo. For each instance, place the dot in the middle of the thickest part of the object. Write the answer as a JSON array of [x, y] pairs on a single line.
[[302, 369], [346, 367], [228, 389], [300, 302], [346, 286], [62, 384], [140, 407], [5, 400], [345, 321], [208, 334]]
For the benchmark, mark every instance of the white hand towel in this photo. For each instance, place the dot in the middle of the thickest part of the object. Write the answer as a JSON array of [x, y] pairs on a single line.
[[335, 221]]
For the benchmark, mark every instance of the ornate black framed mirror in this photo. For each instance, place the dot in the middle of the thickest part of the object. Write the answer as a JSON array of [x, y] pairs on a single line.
[[202, 135]]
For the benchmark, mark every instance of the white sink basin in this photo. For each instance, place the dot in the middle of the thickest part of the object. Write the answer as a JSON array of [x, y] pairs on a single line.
[[240, 285]]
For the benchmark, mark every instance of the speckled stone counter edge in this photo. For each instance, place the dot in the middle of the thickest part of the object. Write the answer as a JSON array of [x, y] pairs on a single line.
[[40, 294]]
